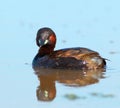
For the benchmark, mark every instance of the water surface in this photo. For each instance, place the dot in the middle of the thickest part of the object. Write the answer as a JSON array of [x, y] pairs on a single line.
[[92, 24]]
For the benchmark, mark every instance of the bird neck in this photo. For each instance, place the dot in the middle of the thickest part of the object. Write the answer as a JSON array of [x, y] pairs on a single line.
[[46, 50]]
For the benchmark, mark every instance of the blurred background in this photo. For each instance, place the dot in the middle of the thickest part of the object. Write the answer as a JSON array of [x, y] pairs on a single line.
[[77, 23]]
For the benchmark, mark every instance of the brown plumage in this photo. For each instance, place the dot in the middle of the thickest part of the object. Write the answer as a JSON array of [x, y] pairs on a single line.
[[73, 58]]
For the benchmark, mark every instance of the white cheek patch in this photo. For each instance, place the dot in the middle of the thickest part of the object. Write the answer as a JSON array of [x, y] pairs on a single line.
[[43, 42], [46, 41]]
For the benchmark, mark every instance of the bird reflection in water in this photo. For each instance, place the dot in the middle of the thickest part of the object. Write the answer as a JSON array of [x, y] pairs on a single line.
[[46, 91]]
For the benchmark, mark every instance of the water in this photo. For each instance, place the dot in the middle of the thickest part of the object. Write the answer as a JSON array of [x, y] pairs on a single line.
[[90, 24]]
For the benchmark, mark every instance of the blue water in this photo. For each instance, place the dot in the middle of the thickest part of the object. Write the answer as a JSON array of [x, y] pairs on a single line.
[[89, 23]]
